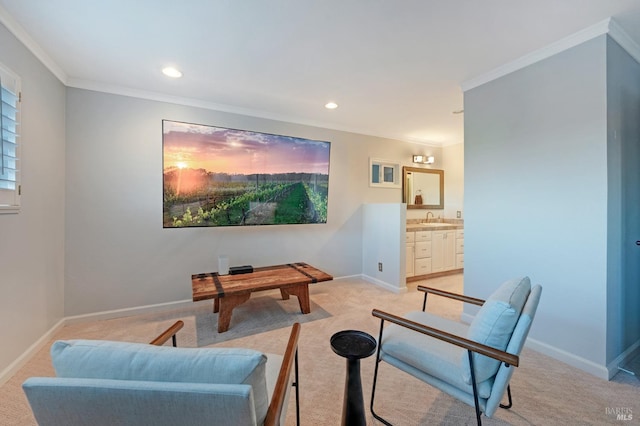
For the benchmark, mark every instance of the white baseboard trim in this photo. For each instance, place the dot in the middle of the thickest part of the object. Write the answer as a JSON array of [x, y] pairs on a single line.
[[347, 277], [138, 310], [160, 307], [16, 365], [590, 367], [573, 360], [127, 312], [383, 284]]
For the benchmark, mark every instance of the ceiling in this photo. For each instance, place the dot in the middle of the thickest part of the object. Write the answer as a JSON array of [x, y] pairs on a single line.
[[395, 68]]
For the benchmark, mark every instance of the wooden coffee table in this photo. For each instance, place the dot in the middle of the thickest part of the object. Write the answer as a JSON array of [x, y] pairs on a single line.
[[229, 291]]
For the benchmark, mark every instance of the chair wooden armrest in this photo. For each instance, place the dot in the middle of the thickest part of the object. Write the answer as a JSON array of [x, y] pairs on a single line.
[[470, 345], [169, 333], [456, 296], [282, 383]]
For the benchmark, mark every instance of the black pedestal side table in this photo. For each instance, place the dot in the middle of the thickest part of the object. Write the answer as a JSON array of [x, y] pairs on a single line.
[[353, 345]]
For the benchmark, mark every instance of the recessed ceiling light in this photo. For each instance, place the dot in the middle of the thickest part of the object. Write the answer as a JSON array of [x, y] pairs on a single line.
[[331, 105], [171, 72]]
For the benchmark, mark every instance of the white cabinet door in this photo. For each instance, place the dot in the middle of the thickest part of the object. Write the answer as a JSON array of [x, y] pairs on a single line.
[[460, 249], [434, 251], [437, 251], [411, 253], [443, 251], [449, 250], [410, 260]]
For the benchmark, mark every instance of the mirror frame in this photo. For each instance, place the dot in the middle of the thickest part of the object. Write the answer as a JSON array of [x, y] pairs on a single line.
[[405, 171]]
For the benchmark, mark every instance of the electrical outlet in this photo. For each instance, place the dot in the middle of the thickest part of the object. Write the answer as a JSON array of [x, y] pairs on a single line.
[[380, 266], [458, 214]]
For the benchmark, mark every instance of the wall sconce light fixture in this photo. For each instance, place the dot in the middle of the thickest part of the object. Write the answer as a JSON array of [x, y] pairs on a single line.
[[423, 159]]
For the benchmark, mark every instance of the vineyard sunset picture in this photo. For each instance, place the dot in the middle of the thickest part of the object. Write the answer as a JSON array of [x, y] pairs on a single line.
[[214, 176]]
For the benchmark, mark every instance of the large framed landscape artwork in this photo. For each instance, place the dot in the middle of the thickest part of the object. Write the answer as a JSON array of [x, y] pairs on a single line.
[[215, 176]]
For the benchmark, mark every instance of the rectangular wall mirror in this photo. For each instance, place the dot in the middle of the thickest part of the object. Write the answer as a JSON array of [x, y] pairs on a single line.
[[423, 188]]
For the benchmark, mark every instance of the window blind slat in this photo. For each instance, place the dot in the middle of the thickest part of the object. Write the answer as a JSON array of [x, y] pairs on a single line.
[[9, 123], [2, 125], [8, 94], [9, 112], [9, 98], [9, 128], [8, 136], [9, 174], [8, 149], [10, 163]]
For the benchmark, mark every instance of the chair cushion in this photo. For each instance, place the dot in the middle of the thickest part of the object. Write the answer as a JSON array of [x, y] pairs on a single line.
[[494, 324], [143, 362], [431, 356], [57, 401]]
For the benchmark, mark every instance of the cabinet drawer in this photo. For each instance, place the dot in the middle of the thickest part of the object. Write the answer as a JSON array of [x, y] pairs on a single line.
[[411, 237], [423, 249], [459, 245], [459, 261], [423, 236], [423, 266], [459, 233]]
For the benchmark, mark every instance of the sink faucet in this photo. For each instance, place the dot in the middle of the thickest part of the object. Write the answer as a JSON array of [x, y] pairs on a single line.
[[430, 213]]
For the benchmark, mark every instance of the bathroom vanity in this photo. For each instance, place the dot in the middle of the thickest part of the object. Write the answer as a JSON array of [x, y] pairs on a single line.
[[434, 248]]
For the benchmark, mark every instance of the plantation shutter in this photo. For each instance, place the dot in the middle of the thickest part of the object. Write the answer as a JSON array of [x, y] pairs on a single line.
[[9, 149]]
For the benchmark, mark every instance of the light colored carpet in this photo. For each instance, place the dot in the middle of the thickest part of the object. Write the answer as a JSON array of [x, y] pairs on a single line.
[[545, 391]]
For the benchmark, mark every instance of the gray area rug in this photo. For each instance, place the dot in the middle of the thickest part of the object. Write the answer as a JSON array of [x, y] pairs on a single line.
[[257, 315]]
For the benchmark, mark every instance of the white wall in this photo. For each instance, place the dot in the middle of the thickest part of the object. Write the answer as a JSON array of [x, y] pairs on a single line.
[[453, 163], [535, 198], [383, 241], [118, 255], [32, 241]]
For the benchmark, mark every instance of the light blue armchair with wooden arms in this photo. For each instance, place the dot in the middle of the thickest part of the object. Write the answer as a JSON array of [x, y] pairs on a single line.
[[118, 383], [472, 363]]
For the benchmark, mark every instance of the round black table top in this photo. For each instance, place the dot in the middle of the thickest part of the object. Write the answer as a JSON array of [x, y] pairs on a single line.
[[353, 344]]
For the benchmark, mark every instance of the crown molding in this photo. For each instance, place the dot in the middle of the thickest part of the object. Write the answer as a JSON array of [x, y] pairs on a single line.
[[423, 142], [19, 32], [198, 103], [622, 38], [561, 45]]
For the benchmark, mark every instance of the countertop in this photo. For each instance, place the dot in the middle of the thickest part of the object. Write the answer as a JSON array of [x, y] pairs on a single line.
[[433, 226]]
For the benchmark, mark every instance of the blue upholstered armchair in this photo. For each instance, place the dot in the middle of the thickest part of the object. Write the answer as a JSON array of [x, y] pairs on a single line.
[[109, 383], [472, 363]]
